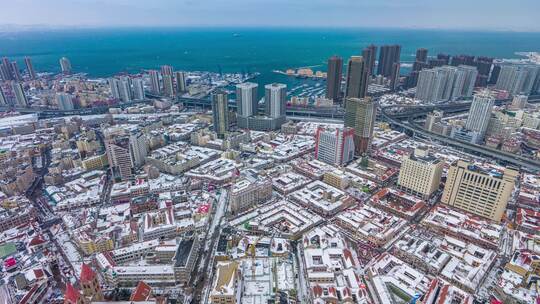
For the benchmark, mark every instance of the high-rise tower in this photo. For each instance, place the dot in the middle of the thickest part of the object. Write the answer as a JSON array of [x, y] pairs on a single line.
[[360, 115], [388, 55], [30, 67], [333, 78], [275, 100], [357, 78], [369, 54], [65, 65], [220, 112]]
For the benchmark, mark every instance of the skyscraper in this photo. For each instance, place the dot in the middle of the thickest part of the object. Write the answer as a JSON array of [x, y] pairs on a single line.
[[334, 146], [125, 153], [479, 190], [464, 82], [64, 101], [180, 78], [518, 78], [20, 96], [138, 148], [445, 83], [115, 88], [5, 69], [121, 88], [65, 65], [388, 55], [246, 99], [419, 64], [275, 100], [166, 70], [220, 113], [168, 85], [138, 89], [333, 78], [394, 78], [16, 71], [421, 55], [369, 54], [480, 113], [119, 157], [154, 82], [3, 99], [30, 67], [124, 87], [360, 115], [444, 58], [357, 78]]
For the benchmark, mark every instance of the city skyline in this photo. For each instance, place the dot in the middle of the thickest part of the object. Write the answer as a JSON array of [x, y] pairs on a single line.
[[455, 15]]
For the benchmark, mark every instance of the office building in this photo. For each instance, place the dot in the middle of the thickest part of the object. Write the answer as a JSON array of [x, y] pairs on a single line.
[[20, 96], [388, 55], [168, 85], [334, 146], [246, 99], [360, 115], [333, 78], [138, 89], [480, 113], [64, 101], [518, 78], [369, 54], [357, 78], [180, 78], [420, 173], [154, 82], [30, 68], [65, 65], [481, 191], [220, 113], [275, 99]]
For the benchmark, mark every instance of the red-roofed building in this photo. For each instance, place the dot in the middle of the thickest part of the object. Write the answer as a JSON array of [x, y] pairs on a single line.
[[142, 293], [90, 284], [73, 296]]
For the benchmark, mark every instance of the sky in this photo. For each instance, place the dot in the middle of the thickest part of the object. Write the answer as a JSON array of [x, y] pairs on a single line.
[[511, 15]]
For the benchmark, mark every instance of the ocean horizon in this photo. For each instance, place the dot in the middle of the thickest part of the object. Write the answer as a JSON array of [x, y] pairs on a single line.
[[104, 52]]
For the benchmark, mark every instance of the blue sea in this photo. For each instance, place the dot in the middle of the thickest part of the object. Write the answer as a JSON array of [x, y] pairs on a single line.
[[105, 52]]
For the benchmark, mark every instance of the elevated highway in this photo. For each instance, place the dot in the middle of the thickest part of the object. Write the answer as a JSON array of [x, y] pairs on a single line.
[[405, 120]]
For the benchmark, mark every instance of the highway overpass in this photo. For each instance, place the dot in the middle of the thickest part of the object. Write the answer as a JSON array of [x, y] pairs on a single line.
[[412, 128]]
